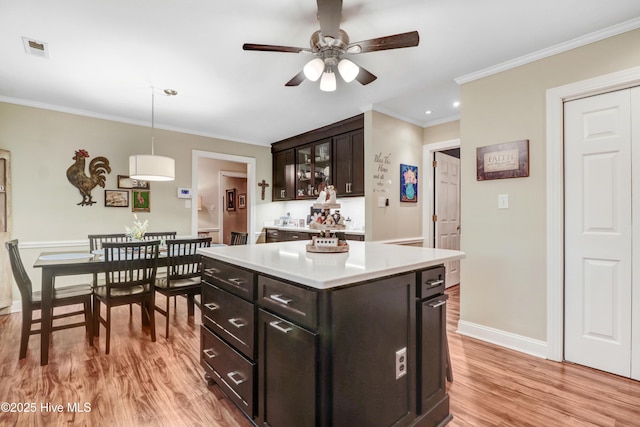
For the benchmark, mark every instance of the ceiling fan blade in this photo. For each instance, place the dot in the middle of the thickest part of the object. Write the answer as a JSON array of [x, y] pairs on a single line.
[[365, 77], [296, 80], [274, 48], [329, 16], [396, 41]]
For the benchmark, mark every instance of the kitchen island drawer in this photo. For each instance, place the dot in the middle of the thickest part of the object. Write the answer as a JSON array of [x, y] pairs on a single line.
[[293, 302], [430, 282], [234, 279], [229, 369], [231, 317]]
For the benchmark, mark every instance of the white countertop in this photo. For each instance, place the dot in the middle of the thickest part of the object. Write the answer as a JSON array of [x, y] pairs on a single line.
[[311, 230], [364, 261]]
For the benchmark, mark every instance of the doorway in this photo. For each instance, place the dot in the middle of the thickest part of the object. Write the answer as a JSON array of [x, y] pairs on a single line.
[[602, 142], [555, 99], [249, 169], [232, 195], [441, 221]]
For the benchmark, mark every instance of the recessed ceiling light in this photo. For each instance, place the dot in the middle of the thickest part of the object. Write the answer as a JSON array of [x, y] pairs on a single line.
[[456, 104], [35, 47], [428, 112]]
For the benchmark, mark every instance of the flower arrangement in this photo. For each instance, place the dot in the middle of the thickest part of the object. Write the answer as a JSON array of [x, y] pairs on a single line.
[[139, 228]]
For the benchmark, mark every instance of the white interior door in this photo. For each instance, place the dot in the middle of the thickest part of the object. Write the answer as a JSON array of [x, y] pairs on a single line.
[[598, 232], [6, 277], [447, 209]]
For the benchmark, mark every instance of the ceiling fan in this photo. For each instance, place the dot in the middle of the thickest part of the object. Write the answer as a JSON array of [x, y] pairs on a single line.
[[330, 44]]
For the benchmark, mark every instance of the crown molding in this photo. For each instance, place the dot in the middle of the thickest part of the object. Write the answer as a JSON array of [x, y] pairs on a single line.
[[615, 30]]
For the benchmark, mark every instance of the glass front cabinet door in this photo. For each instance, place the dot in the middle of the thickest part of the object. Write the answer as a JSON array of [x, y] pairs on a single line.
[[313, 169]]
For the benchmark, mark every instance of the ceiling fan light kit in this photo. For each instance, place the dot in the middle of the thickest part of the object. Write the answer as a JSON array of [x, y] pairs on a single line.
[[330, 43], [147, 167]]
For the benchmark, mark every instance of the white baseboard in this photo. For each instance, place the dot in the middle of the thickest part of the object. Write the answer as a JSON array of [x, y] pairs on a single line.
[[504, 339], [15, 307]]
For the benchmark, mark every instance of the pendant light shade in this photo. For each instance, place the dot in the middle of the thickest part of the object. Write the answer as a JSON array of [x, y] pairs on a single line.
[[313, 70], [149, 167], [328, 81], [348, 70]]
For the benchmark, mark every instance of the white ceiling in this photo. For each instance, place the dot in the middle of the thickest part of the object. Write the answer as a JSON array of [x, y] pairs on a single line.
[[106, 55]]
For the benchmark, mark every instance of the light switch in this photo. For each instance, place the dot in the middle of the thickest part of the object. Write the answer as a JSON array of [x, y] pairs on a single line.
[[382, 202], [503, 201], [187, 203]]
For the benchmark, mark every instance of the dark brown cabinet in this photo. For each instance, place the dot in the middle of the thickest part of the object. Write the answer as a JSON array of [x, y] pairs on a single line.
[[284, 170], [273, 235], [305, 164], [348, 151], [368, 354]]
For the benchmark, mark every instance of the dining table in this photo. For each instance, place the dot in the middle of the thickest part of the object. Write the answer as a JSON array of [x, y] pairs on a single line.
[[55, 264]]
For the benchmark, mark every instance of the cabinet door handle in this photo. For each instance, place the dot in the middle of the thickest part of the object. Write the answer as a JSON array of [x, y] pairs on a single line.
[[238, 323], [209, 353], [434, 283], [282, 194], [211, 306], [437, 304], [232, 376], [276, 324], [281, 299]]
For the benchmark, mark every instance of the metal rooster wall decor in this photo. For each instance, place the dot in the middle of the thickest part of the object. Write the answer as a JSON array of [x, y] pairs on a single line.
[[76, 175]]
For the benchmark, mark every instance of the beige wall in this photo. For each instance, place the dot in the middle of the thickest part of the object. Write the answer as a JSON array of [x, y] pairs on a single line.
[[442, 132], [42, 144], [503, 283], [398, 142]]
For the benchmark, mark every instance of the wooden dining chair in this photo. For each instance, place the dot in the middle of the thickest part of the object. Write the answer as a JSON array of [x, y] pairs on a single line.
[[184, 271], [238, 238], [61, 297], [130, 274]]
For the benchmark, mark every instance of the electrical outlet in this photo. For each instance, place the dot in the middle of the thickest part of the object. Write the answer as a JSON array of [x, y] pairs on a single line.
[[401, 362]]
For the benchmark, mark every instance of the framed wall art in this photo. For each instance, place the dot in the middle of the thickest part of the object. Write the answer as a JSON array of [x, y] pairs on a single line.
[[116, 198], [141, 201], [129, 183], [408, 183], [231, 199], [499, 161], [242, 201]]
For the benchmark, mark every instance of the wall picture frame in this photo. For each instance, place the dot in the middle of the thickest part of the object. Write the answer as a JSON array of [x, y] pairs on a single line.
[[408, 183], [129, 183], [242, 200], [231, 200], [141, 201], [500, 161], [116, 198]]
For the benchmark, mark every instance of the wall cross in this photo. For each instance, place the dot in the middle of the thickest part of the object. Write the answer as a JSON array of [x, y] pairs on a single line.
[[263, 185]]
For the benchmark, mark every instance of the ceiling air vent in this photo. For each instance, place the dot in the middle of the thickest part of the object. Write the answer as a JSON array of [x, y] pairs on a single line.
[[35, 48]]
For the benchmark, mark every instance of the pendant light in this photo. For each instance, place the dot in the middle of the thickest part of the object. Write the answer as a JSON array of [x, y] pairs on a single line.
[[151, 167]]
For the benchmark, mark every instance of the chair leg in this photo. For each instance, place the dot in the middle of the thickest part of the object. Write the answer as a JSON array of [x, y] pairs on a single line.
[[190, 305], [166, 325], [96, 316], [27, 316], [108, 334], [88, 321], [152, 316]]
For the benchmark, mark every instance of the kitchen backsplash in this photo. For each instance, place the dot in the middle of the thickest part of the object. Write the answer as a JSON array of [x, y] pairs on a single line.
[[350, 207]]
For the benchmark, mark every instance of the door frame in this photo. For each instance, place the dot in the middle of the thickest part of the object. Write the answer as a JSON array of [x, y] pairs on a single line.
[[251, 196], [223, 196], [555, 98], [428, 228]]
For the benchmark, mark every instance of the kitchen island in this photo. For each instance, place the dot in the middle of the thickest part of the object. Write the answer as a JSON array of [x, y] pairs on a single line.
[[311, 339]]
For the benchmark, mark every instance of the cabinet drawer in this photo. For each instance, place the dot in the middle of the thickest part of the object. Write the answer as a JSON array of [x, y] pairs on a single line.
[[290, 236], [273, 235], [297, 304], [231, 317], [233, 373], [234, 279], [430, 282]]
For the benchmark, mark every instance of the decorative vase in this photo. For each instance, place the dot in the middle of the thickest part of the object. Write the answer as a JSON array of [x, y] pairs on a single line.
[[410, 192]]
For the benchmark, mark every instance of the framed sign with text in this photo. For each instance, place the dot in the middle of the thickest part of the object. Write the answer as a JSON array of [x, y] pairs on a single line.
[[499, 161]]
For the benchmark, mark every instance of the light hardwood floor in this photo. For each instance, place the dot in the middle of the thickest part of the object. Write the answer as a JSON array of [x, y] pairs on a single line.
[[159, 384]]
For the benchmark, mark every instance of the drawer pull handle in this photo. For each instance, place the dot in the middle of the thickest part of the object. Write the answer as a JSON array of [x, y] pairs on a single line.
[[281, 299], [295, 236], [434, 283], [276, 324], [209, 353], [211, 270], [236, 280], [211, 306], [437, 304], [232, 376], [238, 323]]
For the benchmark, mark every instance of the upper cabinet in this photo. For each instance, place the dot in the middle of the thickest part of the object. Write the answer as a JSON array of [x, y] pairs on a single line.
[[306, 164]]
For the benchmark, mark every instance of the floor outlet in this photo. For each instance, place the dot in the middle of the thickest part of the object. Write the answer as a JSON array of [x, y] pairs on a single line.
[[401, 362]]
